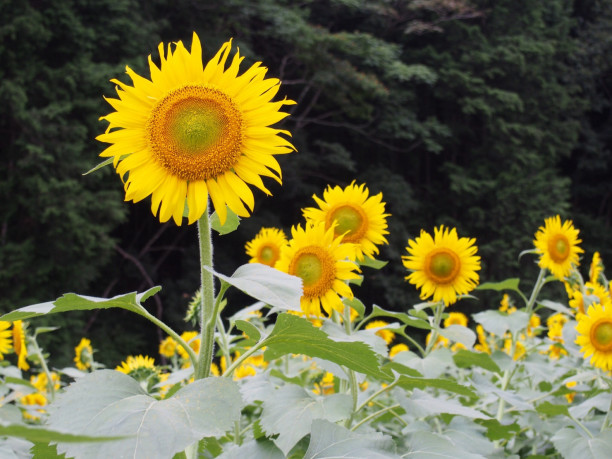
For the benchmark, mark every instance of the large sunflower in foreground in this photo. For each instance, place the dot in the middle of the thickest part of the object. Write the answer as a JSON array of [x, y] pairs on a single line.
[[595, 336], [323, 263], [557, 245], [265, 247], [359, 217], [443, 266], [195, 131]]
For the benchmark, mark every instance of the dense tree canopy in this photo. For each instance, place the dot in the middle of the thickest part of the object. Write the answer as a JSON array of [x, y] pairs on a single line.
[[484, 115]]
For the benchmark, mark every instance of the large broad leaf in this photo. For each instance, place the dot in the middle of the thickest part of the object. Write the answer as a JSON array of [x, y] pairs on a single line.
[[459, 334], [290, 410], [110, 403], [572, 444], [508, 284], [427, 445], [465, 359], [421, 404], [377, 311], [266, 284], [295, 335], [73, 302], [449, 385], [254, 449], [432, 366], [329, 440], [497, 323]]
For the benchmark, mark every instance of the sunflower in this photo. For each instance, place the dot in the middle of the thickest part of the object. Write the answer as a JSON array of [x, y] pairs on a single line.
[[323, 263], [168, 347], [191, 338], [192, 131], [83, 354], [557, 245], [595, 336], [397, 348], [6, 339], [360, 218], [596, 268], [456, 318], [443, 266], [265, 247], [142, 369], [19, 345], [385, 334], [590, 293]]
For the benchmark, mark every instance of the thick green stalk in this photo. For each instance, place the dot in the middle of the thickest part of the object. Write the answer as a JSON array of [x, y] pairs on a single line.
[[438, 311], [207, 321]]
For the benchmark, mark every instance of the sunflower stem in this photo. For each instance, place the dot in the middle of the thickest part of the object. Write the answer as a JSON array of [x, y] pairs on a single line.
[[535, 292], [207, 302], [438, 311]]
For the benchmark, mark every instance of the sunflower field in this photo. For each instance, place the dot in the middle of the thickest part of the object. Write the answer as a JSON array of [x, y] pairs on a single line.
[[299, 366]]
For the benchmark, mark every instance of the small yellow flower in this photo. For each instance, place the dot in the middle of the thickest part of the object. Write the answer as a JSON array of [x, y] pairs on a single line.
[[557, 245], [396, 349], [34, 402], [6, 339], [385, 334], [596, 268], [266, 246], [326, 385], [506, 305], [191, 338], [167, 347], [83, 354]]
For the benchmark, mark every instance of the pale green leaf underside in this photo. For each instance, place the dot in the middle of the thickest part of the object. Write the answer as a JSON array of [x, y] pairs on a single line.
[[110, 403]]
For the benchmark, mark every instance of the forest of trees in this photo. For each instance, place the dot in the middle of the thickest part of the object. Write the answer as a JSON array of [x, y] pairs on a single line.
[[487, 115]]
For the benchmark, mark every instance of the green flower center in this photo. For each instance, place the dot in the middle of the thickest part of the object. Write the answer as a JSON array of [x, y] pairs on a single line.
[[195, 132], [559, 248], [268, 255], [442, 265], [351, 222], [601, 335], [316, 268]]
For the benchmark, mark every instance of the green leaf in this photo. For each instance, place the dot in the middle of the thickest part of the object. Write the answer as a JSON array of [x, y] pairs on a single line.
[[329, 440], [498, 431], [449, 385], [465, 359], [421, 404], [43, 435], [377, 311], [555, 307], [289, 411], [295, 335], [508, 284], [373, 263], [431, 366], [104, 163], [427, 445], [497, 323], [249, 329], [110, 403], [254, 449], [74, 302], [266, 284], [550, 409], [460, 334], [45, 451], [402, 369], [356, 304], [571, 443], [232, 222]]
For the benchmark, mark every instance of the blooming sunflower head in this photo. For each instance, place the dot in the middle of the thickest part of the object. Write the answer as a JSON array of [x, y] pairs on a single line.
[[266, 246], [142, 369], [557, 245], [595, 336], [168, 347], [83, 354], [192, 131], [324, 264], [360, 218], [19, 345], [443, 266]]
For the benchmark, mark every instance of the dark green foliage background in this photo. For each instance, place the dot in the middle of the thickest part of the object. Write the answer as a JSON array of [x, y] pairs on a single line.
[[489, 116]]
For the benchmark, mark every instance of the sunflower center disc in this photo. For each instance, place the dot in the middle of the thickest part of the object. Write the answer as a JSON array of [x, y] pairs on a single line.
[[268, 255], [601, 335], [316, 269], [195, 132], [558, 247], [350, 221], [443, 265]]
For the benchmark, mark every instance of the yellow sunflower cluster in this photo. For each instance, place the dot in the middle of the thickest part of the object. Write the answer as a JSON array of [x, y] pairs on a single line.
[[325, 252], [33, 404]]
